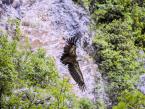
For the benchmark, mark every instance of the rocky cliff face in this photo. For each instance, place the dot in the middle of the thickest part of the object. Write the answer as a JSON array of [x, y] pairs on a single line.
[[47, 23]]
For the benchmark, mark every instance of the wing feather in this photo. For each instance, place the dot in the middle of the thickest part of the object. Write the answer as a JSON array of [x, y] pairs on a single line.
[[76, 73]]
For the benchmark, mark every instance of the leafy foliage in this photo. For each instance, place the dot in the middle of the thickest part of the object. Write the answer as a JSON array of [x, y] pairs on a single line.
[[30, 80], [131, 100], [26, 76], [86, 104], [119, 26], [7, 70]]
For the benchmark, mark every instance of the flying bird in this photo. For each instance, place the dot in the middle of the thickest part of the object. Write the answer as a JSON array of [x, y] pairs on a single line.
[[69, 58]]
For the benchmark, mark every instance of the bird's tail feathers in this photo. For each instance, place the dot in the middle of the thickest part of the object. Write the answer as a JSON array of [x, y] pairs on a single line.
[[82, 87]]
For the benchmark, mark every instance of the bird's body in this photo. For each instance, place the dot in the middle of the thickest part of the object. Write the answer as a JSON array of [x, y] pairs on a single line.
[[69, 58]]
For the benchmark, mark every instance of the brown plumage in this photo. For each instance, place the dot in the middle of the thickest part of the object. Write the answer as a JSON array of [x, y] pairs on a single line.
[[69, 58]]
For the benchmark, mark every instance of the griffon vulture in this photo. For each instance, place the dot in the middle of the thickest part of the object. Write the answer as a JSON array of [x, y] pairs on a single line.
[[69, 58]]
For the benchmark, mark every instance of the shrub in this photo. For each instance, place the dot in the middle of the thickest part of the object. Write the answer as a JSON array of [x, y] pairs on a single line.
[[118, 43]]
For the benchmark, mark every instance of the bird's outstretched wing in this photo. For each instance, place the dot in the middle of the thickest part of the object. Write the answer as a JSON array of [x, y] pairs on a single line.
[[69, 58], [76, 73]]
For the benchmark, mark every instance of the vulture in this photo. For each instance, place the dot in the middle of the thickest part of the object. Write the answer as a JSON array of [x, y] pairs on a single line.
[[69, 58]]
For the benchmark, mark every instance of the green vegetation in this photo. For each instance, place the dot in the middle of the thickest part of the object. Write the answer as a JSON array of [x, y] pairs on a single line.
[[120, 36], [117, 56], [29, 80], [119, 39], [131, 100], [86, 104]]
